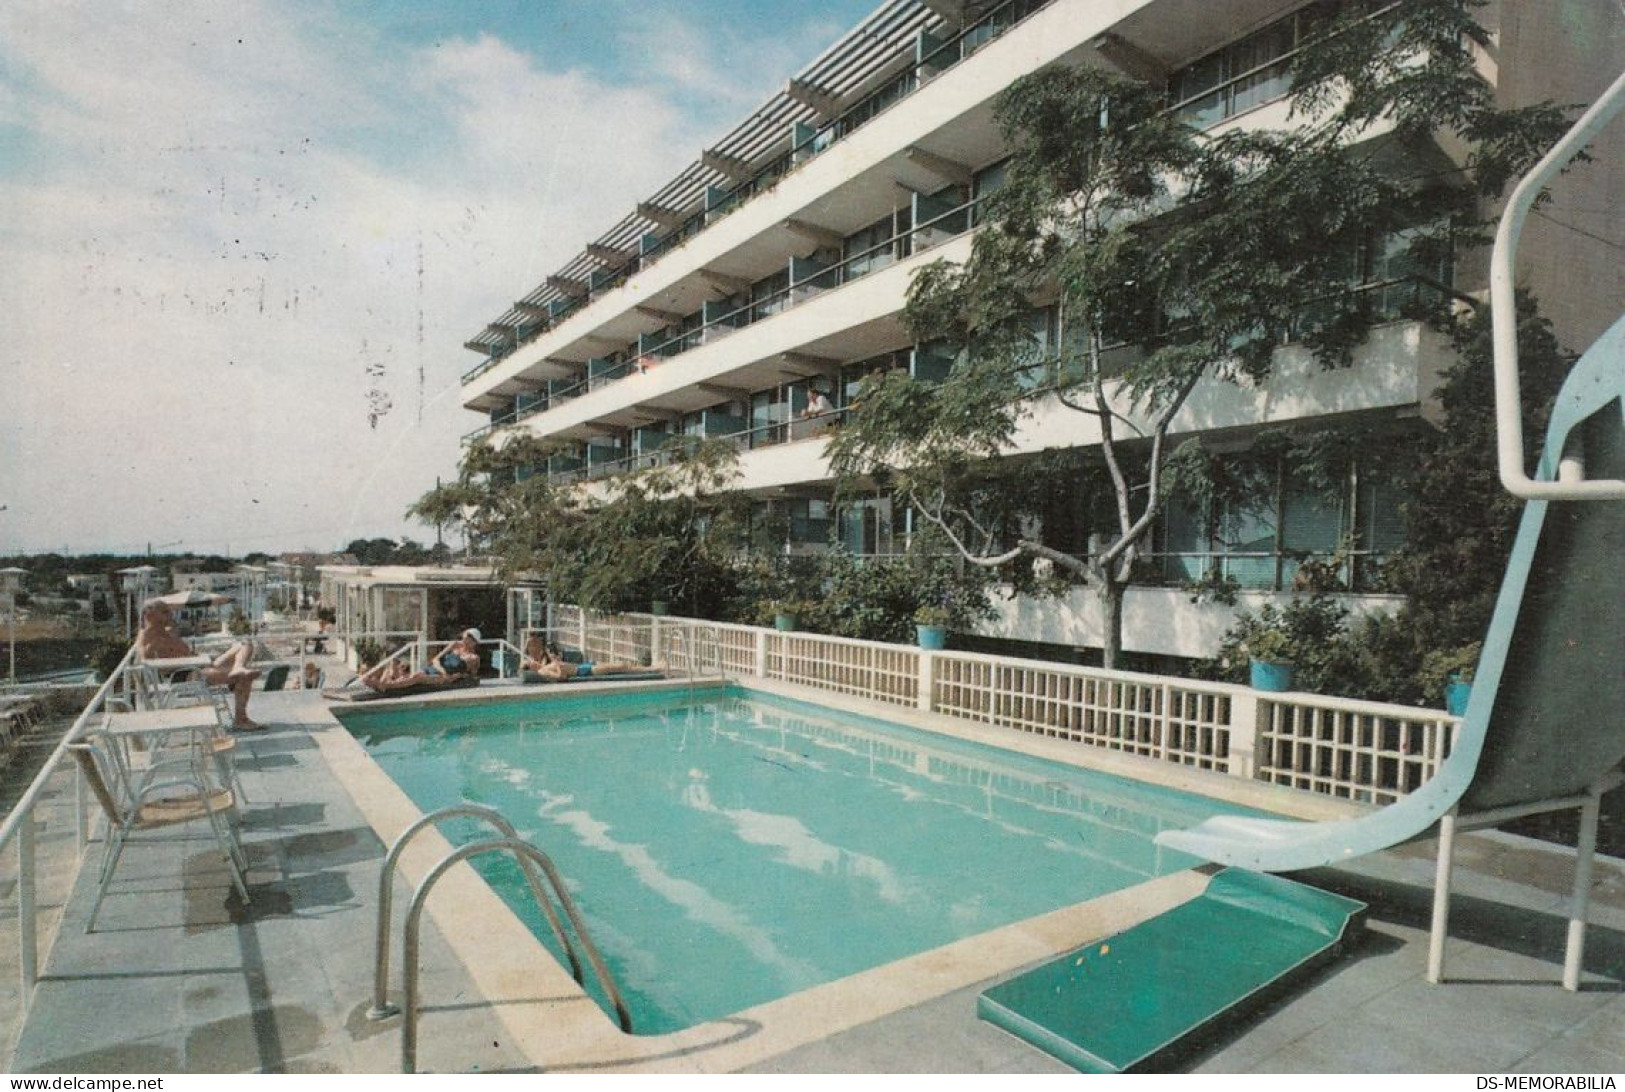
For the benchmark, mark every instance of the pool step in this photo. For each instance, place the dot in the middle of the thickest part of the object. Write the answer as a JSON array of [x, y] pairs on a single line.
[[1121, 1002]]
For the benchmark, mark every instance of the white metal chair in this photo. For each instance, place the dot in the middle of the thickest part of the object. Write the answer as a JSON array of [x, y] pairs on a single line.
[[221, 746], [170, 792]]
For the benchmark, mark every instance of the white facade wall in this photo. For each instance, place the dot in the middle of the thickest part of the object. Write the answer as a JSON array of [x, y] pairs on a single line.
[[860, 177]]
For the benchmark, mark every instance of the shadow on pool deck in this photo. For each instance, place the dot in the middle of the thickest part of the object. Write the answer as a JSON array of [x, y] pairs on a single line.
[[181, 977]]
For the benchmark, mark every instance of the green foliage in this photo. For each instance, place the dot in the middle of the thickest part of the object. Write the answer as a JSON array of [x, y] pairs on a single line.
[[1204, 250], [1447, 665], [667, 532], [1310, 632], [879, 600], [1461, 520], [388, 551], [869, 598], [368, 652], [107, 654]]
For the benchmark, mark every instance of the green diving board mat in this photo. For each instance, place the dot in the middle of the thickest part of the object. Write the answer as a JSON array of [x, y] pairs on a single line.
[[1122, 1002]]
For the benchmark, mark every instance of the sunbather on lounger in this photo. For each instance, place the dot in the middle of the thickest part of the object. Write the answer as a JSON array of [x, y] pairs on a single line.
[[550, 664], [457, 662], [160, 639]]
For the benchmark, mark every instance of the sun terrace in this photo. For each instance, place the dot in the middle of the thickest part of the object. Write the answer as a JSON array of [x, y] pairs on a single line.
[[182, 975]]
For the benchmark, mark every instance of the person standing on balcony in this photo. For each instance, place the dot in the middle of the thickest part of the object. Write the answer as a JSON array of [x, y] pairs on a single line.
[[818, 404], [817, 417]]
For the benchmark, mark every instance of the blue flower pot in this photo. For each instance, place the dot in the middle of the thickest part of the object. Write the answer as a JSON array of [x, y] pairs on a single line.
[[931, 637], [784, 622], [1273, 677], [1455, 697], [659, 608]]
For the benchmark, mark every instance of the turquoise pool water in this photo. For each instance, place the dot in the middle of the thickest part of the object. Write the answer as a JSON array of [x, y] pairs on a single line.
[[743, 848]]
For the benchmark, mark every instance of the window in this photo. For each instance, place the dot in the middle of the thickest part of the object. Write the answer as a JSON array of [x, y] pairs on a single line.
[[1246, 73], [854, 375], [769, 295], [1401, 257], [1263, 540], [1040, 361], [1312, 525], [769, 412], [866, 527], [872, 248]]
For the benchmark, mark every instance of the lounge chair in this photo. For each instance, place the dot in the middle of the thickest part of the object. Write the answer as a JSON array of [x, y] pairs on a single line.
[[366, 693], [531, 678]]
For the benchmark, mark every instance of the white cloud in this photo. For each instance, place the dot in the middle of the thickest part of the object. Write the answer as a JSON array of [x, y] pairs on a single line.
[[217, 241]]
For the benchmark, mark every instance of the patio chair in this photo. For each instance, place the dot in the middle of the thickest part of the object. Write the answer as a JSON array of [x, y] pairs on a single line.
[[221, 746], [1542, 729], [166, 794]]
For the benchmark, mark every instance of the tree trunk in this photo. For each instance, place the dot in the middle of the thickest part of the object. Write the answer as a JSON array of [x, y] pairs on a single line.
[[1111, 604]]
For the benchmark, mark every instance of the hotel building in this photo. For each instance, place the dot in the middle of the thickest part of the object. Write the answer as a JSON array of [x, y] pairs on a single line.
[[776, 264]]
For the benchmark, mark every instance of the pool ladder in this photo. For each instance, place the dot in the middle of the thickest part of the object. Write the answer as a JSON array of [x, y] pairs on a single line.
[[700, 647], [530, 859]]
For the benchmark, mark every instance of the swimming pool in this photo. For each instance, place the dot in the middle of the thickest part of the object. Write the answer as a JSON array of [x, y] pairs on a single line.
[[745, 847]]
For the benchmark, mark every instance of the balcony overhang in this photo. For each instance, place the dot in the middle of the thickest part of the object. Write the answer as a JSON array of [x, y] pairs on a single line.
[[609, 256], [813, 97]]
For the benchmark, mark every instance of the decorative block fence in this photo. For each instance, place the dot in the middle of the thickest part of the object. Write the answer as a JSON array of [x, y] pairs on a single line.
[[1358, 750]]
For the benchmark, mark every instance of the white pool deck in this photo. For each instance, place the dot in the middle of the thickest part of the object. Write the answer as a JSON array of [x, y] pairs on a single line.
[[180, 977]]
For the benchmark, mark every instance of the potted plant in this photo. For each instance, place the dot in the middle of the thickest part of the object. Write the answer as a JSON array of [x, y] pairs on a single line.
[[786, 613], [659, 607], [368, 652], [1270, 656], [931, 626], [1448, 674]]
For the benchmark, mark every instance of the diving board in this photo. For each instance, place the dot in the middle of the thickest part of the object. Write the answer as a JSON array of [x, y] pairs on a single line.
[[1125, 1001]]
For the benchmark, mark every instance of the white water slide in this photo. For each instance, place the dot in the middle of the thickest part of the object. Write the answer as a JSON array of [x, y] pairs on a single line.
[[1543, 729]]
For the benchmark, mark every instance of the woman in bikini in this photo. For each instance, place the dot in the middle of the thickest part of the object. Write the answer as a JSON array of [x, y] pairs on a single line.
[[456, 662]]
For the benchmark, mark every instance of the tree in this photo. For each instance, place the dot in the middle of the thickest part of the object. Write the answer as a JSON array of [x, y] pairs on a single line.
[[668, 531], [1204, 252], [497, 492]]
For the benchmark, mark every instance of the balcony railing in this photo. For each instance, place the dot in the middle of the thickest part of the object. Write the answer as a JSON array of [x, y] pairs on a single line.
[[916, 239], [939, 59]]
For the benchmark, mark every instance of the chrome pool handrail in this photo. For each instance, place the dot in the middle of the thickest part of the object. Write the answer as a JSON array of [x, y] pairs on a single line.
[[1570, 483], [381, 1008], [410, 944]]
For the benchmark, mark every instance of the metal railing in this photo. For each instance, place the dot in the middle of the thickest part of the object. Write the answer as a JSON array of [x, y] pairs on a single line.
[[527, 854], [903, 244], [529, 859], [18, 829], [1504, 320]]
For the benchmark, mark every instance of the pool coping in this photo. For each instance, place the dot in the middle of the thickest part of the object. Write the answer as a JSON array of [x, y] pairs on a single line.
[[554, 1023]]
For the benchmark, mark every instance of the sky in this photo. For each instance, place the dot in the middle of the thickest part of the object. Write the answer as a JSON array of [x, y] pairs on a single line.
[[242, 243]]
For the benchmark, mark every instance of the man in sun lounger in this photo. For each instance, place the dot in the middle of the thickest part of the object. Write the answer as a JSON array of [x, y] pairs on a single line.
[[547, 662], [455, 665], [159, 639]]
